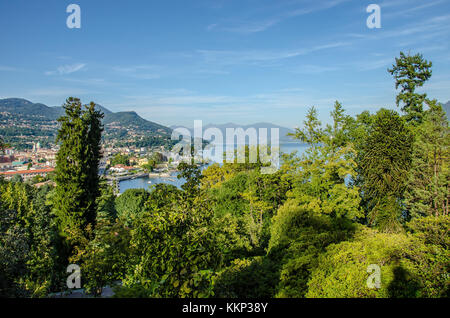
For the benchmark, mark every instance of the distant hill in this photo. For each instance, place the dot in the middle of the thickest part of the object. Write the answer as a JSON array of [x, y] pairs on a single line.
[[132, 119], [24, 107], [283, 131], [20, 117]]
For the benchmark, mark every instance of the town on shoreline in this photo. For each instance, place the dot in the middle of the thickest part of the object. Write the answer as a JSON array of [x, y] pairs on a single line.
[[119, 163]]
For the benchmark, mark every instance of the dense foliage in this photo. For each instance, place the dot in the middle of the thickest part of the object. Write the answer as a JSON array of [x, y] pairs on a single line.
[[370, 190], [77, 178]]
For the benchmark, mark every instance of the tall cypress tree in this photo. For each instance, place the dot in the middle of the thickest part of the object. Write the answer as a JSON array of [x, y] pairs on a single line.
[[77, 180], [92, 118]]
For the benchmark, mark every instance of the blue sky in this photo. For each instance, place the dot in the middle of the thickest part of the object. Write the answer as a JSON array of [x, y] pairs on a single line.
[[241, 61]]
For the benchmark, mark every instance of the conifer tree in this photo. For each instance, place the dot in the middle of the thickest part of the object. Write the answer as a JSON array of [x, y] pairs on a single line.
[[411, 72], [384, 161], [77, 179], [319, 178], [429, 178]]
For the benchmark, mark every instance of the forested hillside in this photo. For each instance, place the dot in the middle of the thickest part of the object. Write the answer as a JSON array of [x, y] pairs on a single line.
[[23, 122]]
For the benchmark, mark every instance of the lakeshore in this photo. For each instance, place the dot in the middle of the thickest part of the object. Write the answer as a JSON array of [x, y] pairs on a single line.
[[146, 180]]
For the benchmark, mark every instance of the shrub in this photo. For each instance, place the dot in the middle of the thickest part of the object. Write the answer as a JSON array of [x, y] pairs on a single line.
[[409, 268]]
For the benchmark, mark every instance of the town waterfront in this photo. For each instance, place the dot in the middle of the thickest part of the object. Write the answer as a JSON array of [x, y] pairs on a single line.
[[146, 182]]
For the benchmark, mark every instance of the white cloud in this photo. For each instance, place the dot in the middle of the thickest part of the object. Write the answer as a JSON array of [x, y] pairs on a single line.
[[223, 57], [211, 26], [288, 12], [7, 69], [430, 28], [183, 106], [144, 72], [407, 6], [371, 65], [314, 69], [62, 92], [89, 81], [67, 69]]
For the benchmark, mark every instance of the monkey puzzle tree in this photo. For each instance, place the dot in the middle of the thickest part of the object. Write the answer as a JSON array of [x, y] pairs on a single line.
[[411, 72], [384, 162]]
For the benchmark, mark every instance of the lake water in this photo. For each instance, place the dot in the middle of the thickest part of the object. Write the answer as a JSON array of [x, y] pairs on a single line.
[[146, 182]]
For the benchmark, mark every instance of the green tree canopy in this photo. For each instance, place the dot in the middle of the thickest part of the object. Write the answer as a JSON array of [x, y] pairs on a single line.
[[428, 187], [411, 72], [385, 159], [409, 268], [319, 177], [130, 204], [174, 251], [77, 179]]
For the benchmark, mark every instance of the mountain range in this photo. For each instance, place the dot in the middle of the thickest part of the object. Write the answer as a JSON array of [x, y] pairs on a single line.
[[20, 118], [23, 122], [283, 131], [26, 108]]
